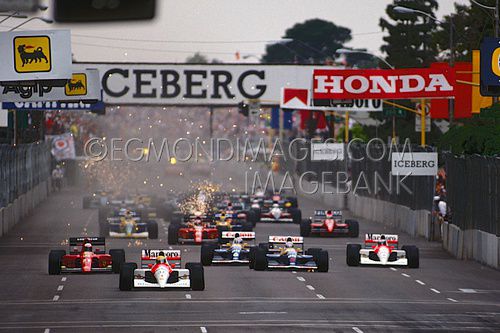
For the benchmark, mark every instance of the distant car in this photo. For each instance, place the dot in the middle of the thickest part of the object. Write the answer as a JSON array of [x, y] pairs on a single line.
[[129, 224], [232, 222], [163, 273], [229, 251], [274, 208], [197, 229], [95, 200], [382, 249], [86, 255], [329, 223], [287, 253]]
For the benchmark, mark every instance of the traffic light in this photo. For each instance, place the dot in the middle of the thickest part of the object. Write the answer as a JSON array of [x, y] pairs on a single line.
[[103, 10], [243, 108]]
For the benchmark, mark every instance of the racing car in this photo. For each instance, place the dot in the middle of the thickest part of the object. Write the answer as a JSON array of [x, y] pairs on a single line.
[[197, 229], [128, 224], [382, 249], [235, 249], [329, 223], [232, 222], [85, 257], [161, 269], [274, 209], [287, 253]]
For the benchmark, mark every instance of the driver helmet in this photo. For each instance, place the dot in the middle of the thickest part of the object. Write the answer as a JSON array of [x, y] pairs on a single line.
[[383, 241], [237, 239], [275, 205], [128, 213], [289, 243], [87, 247], [329, 214], [160, 259]]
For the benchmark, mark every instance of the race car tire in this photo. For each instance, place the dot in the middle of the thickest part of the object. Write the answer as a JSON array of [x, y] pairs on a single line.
[[86, 203], [305, 227], [173, 234], [313, 251], [353, 228], [264, 246], [251, 217], [247, 226], [251, 257], [152, 230], [196, 275], [292, 201], [412, 254], [127, 276], [353, 256], [102, 214], [220, 230], [104, 229], [55, 257], [322, 261], [296, 215], [255, 215], [260, 260], [176, 218], [118, 259], [207, 254]]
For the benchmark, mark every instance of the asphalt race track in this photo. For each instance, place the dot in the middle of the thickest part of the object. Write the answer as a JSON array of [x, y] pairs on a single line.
[[444, 294]]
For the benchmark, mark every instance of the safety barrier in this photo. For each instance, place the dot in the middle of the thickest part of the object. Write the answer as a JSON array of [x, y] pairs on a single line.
[[472, 244]]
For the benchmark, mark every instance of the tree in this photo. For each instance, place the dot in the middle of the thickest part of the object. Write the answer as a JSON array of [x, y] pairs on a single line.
[[197, 58], [313, 41], [409, 42], [472, 23]]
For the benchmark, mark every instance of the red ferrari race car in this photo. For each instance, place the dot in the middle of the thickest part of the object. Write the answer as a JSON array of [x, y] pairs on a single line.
[[197, 229], [86, 257], [329, 223]]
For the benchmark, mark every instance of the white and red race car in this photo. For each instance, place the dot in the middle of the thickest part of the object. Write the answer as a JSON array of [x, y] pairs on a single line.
[[382, 249], [161, 269]]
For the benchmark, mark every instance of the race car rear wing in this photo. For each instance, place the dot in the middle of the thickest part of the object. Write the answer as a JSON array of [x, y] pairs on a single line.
[[79, 241], [283, 239], [322, 213], [246, 235], [373, 239], [148, 257]]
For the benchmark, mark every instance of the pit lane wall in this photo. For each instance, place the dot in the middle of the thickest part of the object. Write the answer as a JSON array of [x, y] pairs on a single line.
[[24, 182]]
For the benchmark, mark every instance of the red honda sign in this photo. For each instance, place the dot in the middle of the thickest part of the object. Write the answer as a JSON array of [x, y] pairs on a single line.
[[383, 84]]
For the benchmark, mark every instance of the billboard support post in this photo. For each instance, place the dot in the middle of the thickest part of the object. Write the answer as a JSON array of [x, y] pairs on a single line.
[[422, 122], [346, 132]]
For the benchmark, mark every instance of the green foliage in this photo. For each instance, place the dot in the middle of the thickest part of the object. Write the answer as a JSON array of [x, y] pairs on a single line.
[[314, 41], [472, 23], [356, 132], [409, 41], [197, 58]]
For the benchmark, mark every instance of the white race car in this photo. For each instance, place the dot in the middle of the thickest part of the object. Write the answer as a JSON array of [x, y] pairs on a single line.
[[161, 269], [382, 249]]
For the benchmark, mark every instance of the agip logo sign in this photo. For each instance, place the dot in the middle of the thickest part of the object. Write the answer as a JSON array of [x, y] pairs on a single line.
[[77, 86], [490, 67], [43, 55], [32, 54]]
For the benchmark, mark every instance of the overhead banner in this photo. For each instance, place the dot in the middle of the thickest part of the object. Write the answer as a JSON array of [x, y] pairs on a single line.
[[490, 66], [67, 106], [84, 85], [414, 164], [300, 99], [383, 84], [35, 55], [203, 84], [327, 151]]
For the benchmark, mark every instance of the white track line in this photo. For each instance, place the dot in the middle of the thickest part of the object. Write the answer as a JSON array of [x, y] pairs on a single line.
[[188, 296], [203, 329], [452, 300], [55, 298], [310, 287], [436, 291], [404, 274], [63, 279], [59, 288], [393, 269], [320, 296], [420, 282], [300, 278], [47, 330], [357, 330]]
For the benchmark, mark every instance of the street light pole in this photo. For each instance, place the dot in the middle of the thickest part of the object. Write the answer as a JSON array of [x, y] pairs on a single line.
[[451, 104]]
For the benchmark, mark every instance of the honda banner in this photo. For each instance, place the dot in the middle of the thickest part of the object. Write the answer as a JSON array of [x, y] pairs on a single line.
[[383, 84]]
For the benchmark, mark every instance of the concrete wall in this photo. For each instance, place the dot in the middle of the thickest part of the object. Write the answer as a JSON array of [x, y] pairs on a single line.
[[22, 206], [472, 244]]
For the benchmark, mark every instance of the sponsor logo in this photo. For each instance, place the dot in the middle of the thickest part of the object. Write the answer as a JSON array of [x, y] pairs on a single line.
[[495, 62], [32, 54], [77, 86]]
